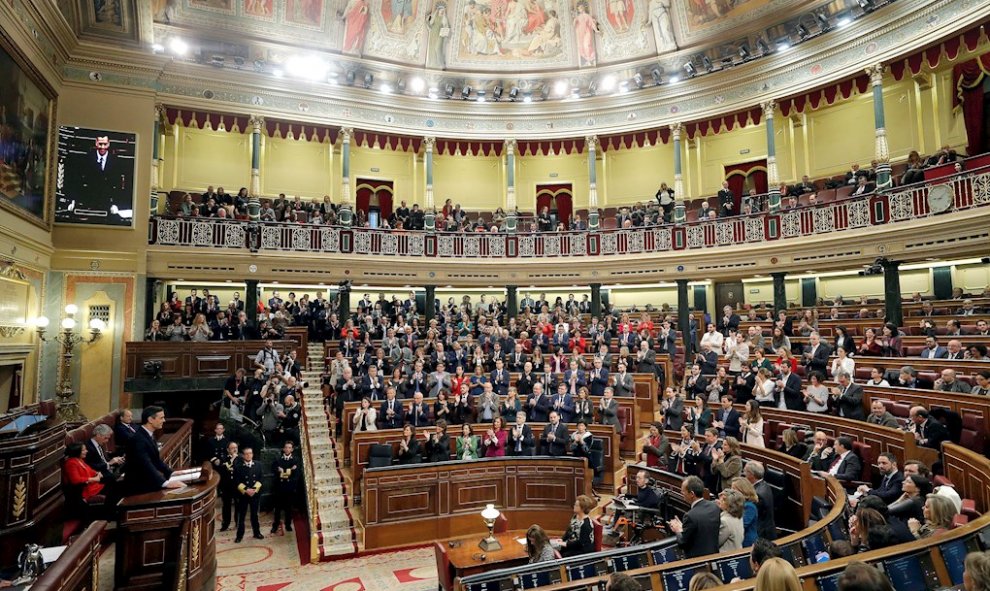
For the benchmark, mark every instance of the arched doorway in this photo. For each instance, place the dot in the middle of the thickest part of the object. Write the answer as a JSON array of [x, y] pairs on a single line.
[[558, 198], [374, 198]]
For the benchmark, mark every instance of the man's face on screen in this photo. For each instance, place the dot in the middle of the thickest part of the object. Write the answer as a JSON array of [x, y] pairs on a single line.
[[102, 145]]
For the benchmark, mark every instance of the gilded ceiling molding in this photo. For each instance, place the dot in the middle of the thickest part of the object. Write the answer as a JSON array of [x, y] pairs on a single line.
[[820, 61]]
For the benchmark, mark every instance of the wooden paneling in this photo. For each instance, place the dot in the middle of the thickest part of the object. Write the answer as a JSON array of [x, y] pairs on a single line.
[[423, 502], [213, 359], [75, 569]]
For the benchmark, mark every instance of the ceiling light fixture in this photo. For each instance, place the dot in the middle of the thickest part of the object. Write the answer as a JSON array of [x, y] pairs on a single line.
[[369, 79], [822, 19], [690, 70], [528, 98], [560, 87], [157, 47], [497, 93], [448, 91], [417, 84], [762, 46], [675, 79], [783, 46], [657, 76], [638, 80], [743, 52], [513, 94], [386, 88], [802, 32], [465, 92], [608, 83], [178, 46], [707, 63]]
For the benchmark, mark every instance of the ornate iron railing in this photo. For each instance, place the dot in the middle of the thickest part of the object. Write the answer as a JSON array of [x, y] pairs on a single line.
[[961, 192]]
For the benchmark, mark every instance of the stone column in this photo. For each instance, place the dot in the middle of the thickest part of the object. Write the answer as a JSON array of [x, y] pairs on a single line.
[[511, 220], [156, 158], [683, 323], [779, 293], [254, 202], [892, 292], [511, 302], [429, 307], [150, 305], [680, 215], [251, 300], [773, 179], [596, 299], [429, 214], [592, 143], [881, 152], [346, 214]]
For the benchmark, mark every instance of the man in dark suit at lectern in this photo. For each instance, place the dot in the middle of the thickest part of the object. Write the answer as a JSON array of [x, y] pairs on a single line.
[[145, 471]]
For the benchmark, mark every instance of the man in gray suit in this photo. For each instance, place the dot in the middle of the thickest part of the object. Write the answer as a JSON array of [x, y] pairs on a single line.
[[438, 380], [880, 416], [624, 382], [697, 535]]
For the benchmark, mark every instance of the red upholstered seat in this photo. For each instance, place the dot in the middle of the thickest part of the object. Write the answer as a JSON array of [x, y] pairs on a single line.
[[900, 409], [598, 535], [869, 457], [969, 508], [501, 524], [959, 520], [863, 373], [444, 575]]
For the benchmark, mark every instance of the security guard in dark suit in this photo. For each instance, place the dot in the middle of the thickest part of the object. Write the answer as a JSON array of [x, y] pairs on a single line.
[[224, 462], [286, 469], [247, 479]]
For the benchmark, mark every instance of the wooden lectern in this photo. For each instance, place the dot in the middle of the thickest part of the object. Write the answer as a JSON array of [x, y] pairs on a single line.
[[166, 540]]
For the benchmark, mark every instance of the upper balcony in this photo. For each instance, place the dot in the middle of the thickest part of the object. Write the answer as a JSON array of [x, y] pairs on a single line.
[[944, 217]]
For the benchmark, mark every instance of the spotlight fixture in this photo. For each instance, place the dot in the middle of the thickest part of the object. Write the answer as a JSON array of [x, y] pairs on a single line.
[[822, 19], [638, 80], [180, 47], [448, 90], [497, 93], [528, 98], [762, 46], [560, 87], [259, 65], [743, 53], [608, 83], [400, 85], [417, 85], [369, 79], [217, 61], [707, 63], [386, 88], [545, 92], [238, 61], [593, 87], [675, 79], [783, 46], [866, 5], [657, 76], [690, 70], [465, 92], [480, 96], [513, 94], [802, 32], [350, 77]]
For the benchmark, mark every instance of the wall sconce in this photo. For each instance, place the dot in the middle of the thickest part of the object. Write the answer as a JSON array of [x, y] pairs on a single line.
[[489, 515], [68, 338]]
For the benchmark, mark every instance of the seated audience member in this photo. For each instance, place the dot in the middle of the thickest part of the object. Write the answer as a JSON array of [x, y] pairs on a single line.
[[99, 458], [792, 446], [949, 383], [703, 580], [123, 429], [859, 576], [846, 465], [915, 489], [876, 379], [538, 546], [624, 582], [891, 481], [938, 515], [982, 385], [879, 415], [79, 474], [580, 535], [928, 432], [976, 576], [763, 551], [840, 549], [776, 574]]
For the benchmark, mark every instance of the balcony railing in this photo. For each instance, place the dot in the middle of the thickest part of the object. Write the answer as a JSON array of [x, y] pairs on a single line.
[[960, 192]]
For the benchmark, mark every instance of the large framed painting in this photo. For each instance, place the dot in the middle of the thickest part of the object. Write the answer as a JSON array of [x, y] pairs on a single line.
[[95, 177], [27, 116]]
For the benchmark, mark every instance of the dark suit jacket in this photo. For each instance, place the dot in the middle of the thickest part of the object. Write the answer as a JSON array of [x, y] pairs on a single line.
[[933, 433], [95, 461], [526, 445], [673, 415], [890, 488], [397, 419], [850, 468], [850, 403], [819, 362], [765, 525], [557, 447], [700, 533], [793, 397], [731, 422], [146, 472]]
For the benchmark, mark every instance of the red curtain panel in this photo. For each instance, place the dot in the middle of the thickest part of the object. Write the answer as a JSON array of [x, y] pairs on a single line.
[[559, 198], [969, 98]]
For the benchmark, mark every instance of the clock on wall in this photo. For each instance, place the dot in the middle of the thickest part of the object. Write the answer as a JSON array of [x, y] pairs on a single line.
[[940, 199]]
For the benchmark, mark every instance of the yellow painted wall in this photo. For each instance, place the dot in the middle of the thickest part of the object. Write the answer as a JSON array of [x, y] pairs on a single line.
[[635, 175], [949, 126], [535, 170], [853, 285], [476, 182], [972, 278], [204, 157], [296, 167], [715, 152], [398, 167], [760, 290]]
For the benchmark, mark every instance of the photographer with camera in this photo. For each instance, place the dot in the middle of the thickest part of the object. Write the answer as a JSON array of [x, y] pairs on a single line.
[[271, 411], [232, 403], [266, 358], [292, 415]]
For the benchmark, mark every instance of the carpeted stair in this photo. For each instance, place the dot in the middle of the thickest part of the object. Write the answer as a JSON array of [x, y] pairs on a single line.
[[335, 533]]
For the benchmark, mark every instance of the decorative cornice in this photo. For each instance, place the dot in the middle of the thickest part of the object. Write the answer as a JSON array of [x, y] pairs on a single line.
[[876, 38]]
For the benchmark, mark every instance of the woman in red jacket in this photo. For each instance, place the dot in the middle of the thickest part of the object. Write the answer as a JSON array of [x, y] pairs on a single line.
[[78, 472]]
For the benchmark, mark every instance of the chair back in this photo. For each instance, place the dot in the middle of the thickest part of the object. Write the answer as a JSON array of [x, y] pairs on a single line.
[[380, 456], [444, 575]]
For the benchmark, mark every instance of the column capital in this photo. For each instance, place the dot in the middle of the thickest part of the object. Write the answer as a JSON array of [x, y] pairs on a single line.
[[777, 274], [876, 72], [768, 108], [675, 130], [256, 122], [159, 112], [346, 133], [510, 145], [592, 142], [429, 142]]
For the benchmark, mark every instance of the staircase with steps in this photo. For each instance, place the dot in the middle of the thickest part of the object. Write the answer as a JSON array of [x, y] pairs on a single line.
[[334, 534]]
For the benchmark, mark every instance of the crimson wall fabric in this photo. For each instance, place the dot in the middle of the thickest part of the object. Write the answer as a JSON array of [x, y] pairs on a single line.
[[745, 176], [969, 98], [558, 198], [367, 188]]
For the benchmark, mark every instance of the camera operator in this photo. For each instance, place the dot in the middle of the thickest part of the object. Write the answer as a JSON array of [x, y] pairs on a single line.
[[252, 400], [232, 403], [291, 415], [270, 413], [291, 365], [266, 359]]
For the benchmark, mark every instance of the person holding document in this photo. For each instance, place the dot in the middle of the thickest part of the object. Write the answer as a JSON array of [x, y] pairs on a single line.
[[146, 472]]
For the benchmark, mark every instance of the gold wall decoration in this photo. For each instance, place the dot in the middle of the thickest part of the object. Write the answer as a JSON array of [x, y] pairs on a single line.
[[19, 506], [194, 549]]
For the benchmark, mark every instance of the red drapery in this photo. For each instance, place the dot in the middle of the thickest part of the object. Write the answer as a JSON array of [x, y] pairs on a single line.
[[367, 189], [745, 176], [969, 77], [558, 198]]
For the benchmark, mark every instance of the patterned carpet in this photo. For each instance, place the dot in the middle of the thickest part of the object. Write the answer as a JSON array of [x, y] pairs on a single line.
[[273, 564]]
